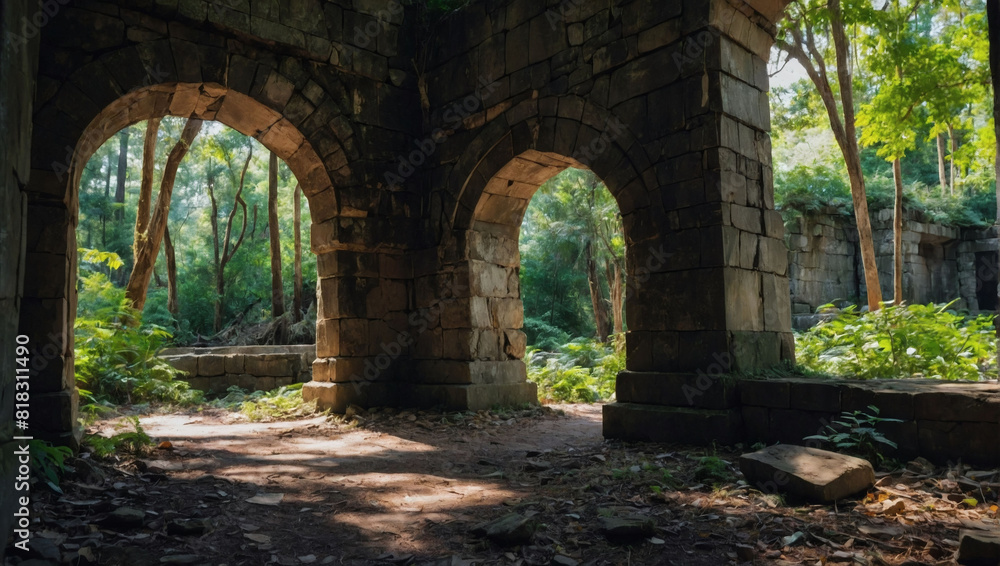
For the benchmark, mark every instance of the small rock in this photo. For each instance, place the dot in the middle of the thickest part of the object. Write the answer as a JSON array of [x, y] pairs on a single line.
[[745, 553], [181, 559], [977, 548], [189, 526], [510, 529], [627, 528], [560, 560], [125, 517], [808, 473]]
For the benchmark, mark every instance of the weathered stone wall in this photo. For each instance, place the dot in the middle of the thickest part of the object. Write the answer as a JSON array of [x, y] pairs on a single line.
[[18, 61], [418, 155], [941, 420], [939, 262], [255, 368]]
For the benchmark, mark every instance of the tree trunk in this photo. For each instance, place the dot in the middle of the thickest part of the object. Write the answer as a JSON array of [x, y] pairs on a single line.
[[297, 229], [596, 297], [168, 248], [942, 175], [223, 255], [897, 235], [107, 196], [852, 158], [149, 247], [277, 290], [954, 148], [615, 288], [993, 17], [146, 185], [122, 173]]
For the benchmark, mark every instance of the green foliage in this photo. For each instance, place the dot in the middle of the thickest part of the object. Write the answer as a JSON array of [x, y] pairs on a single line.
[[581, 371], [116, 356], [48, 462], [900, 341], [282, 403], [217, 153], [134, 442], [713, 470], [855, 434]]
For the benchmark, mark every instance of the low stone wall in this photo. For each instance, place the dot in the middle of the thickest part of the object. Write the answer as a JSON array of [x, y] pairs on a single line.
[[941, 420], [256, 368]]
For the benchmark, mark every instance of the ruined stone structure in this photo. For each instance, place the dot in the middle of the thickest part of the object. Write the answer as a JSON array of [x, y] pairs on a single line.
[[254, 368], [940, 263], [418, 152]]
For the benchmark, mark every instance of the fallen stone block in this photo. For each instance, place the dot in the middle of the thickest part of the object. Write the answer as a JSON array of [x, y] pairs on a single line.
[[978, 548], [807, 473]]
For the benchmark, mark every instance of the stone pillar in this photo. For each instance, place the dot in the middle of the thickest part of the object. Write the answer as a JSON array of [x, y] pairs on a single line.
[[719, 301], [18, 62]]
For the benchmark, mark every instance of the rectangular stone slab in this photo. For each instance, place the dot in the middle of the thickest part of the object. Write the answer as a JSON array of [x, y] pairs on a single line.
[[809, 473]]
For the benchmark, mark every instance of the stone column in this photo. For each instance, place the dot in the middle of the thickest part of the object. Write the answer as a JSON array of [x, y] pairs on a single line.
[[719, 301]]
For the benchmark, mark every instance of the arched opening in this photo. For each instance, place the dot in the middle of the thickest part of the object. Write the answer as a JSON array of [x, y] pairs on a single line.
[[572, 274], [55, 316], [215, 283]]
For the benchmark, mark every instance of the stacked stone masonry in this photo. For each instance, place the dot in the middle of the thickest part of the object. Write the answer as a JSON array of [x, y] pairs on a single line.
[[940, 263], [254, 368], [417, 176]]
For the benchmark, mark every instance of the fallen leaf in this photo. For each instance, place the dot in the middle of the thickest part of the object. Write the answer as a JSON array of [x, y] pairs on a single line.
[[272, 499]]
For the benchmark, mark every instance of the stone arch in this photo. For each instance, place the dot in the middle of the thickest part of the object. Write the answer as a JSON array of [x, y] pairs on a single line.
[[49, 308], [521, 158]]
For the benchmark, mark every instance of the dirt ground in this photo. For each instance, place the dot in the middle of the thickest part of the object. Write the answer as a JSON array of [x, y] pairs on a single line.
[[394, 487]]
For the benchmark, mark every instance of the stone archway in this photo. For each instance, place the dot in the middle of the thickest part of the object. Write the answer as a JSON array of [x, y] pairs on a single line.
[[205, 101]]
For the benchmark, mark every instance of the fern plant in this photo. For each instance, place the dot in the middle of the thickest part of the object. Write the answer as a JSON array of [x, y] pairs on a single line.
[[855, 434]]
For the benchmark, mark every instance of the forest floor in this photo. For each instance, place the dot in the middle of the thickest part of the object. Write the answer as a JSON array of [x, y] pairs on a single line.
[[411, 488]]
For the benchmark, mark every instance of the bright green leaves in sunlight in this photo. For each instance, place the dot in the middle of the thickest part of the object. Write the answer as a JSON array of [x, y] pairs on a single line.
[[111, 259]]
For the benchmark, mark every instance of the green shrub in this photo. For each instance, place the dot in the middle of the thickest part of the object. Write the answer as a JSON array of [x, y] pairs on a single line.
[[855, 434], [134, 442], [900, 341], [115, 354], [581, 371], [284, 402]]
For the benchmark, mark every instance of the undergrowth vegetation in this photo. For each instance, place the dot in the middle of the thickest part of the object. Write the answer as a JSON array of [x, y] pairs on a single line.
[[115, 352], [579, 371], [929, 341], [284, 402]]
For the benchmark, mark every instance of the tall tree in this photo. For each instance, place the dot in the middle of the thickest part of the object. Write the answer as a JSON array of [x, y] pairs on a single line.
[[173, 304], [277, 289], [149, 245], [811, 28], [297, 235], [122, 173], [146, 184], [224, 250]]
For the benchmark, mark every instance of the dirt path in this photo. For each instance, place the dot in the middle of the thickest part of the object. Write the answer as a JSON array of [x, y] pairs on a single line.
[[411, 488]]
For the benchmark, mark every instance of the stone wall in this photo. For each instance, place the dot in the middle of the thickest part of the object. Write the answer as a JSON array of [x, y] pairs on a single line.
[[254, 368], [942, 421], [940, 263], [18, 61]]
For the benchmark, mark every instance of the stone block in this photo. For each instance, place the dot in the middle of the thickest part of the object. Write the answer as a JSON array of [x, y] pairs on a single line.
[[807, 473], [702, 390], [973, 442], [275, 365], [234, 363], [682, 425], [187, 364], [211, 365], [756, 423], [978, 548], [765, 393], [816, 396], [791, 426], [940, 405]]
